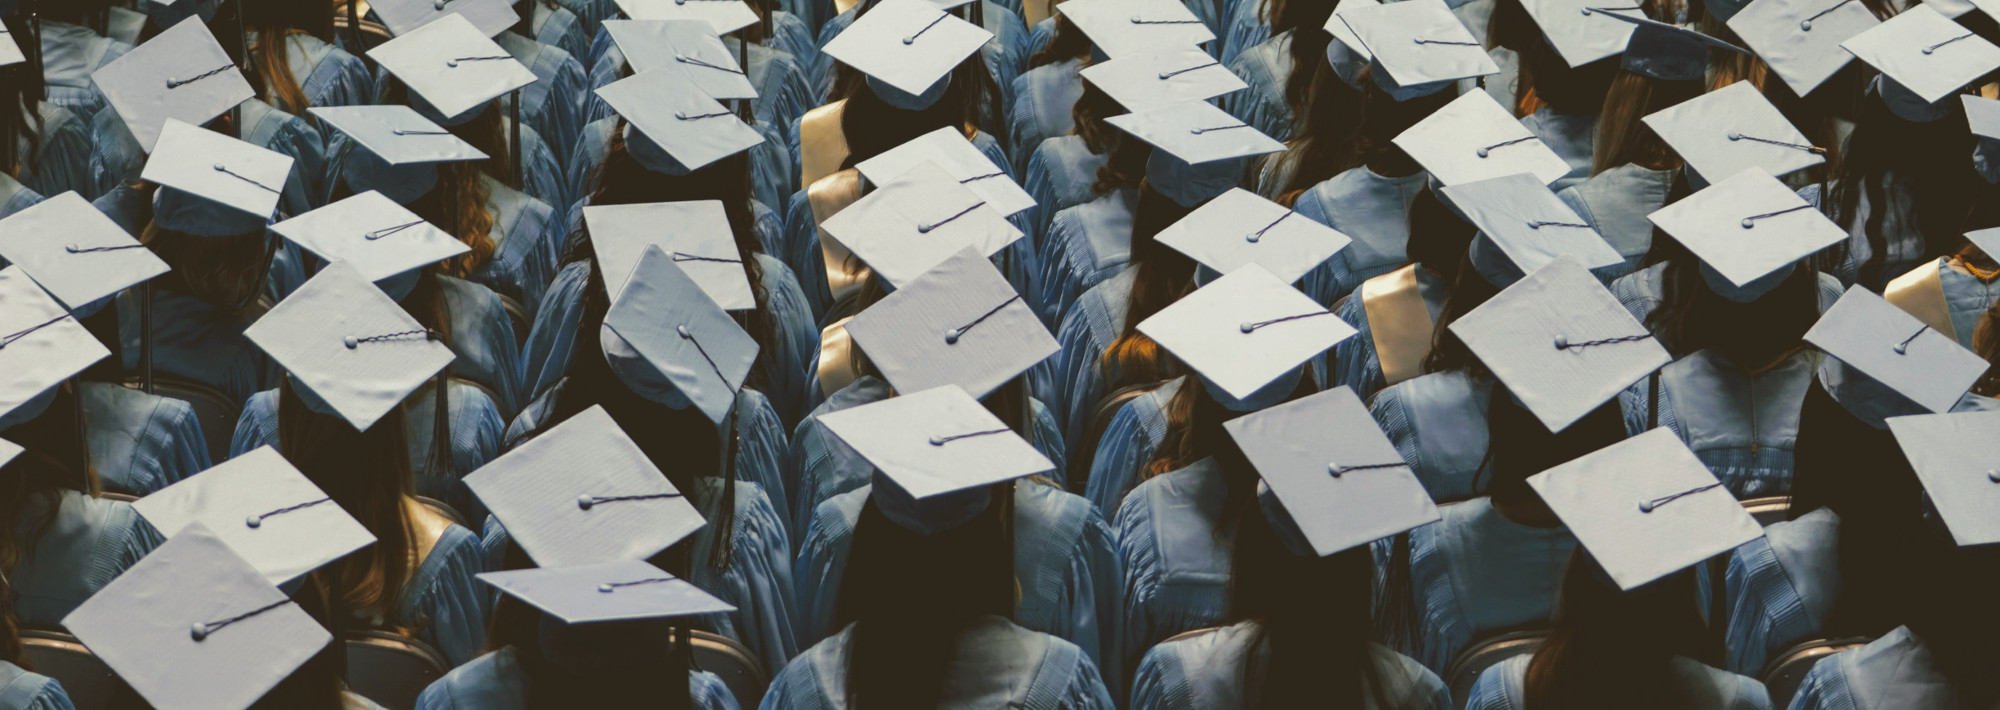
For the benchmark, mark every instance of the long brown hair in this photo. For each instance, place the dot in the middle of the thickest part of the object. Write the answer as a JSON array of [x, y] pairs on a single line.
[[1613, 648], [225, 272], [55, 459], [275, 23], [459, 202], [366, 473], [1161, 276], [1929, 161], [1622, 137]]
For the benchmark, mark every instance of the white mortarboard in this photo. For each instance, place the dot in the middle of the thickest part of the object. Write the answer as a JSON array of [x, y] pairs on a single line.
[[690, 47], [583, 493], [961, 323], [10, 49], [1579, 30], [349, 345], [41, 345], [622, 590], [74, 251], [1747, 226], [1418, 43], [1955, 456], [681, 334], [452, 66], [492, 17], [398, 134], [673, 115], [725, 16], [181, 74], [936, 441], [1347, 55], [916, 221], [1982, 115], [1338, 476], [1473, 138], [1869, 334], [1245, 330], [1560, 342], [221, 171], [1125, 27], [1197, 132], [268, 512], [1645, 508], [9, 450], [373, 234], [193, 626], [1239, 228], [1163, 76], [1667, 51], [1528, 223], [948, 148], [907, 44], [1922, 50], [1988, 240], [696, 235], [1801, 39], [1725, 131]]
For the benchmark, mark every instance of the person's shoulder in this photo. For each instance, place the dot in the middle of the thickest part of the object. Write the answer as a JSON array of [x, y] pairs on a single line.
[[490, 682]]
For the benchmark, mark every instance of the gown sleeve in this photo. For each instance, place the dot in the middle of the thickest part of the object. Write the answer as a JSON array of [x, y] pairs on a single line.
[[257, 425], [1123, 450], [1824, 688], [450, 607], [757, 580], [63, 162]]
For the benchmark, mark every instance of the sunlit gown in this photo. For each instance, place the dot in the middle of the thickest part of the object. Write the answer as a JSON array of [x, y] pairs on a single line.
[[1128, 444], [496, 681], [88, 542], [555, 104], [1966, 297], [1438, 423], [22, 690], [1741, 424], [1475, 573], [1781, 588], [1265, 67], [1213, 670], [1615, 202], [1176, 548], [1060, 174], [1064, 559], [1895, 671], [140, 443], [1691, 686], [70, 54], [1085, 245], [1372, 210], [1043, 98], [997, 664]]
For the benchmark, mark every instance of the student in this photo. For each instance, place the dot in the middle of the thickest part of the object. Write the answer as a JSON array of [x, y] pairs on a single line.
[[1279, 69], [73, 48], [1953, 293], [21, 688], [48, 147], [1046, 92], [1002, 56], [1562, 78], [558, 104], [300, 67]]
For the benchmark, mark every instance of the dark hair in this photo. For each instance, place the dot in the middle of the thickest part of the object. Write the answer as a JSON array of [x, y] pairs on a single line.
[[1858, 471], [225, 272], [1545, 78], [1359, 128], [873, 127], [55, 459], [1953, 614], [1613, 648], [1438, 238], [275, 23], [1468, 291], [1069, 42], [648, 676], [1926, 162], [1161, 276], [316, 685], [21, 91]]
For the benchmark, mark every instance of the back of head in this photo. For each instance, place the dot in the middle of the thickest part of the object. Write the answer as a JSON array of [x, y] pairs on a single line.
[[1314, 615], [274, 23], [1613, 648], [622, 664], [366, 473]]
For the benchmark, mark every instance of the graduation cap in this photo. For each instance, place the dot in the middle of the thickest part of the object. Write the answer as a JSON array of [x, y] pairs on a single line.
[[1734, 128], [193, 626], [1560, 342], [41, 345], [1925, 52], [1801, 39], [671, 126], [1347, 55], [1988, 240], [212, 185], [1239, 228], [621, 590], [1748, 226], [948, 148], [1668, 52], [75, 252], [1163, 76], [1645, 508], [1121, 28], [960, 323], [1246, 331], [1954, 455], [671, 343], [724, 16], [696, 235], [491, 17], [265, 510], [1982, 115], [354, 352], [1523, 226], [582, 493], [1200, 149], [1418, 46], [182, 74], [690, 47], [9, 450], [399, 150], [452, 68], [1339, 478], [916, 221], [379, 238], [936, 441], [1582, 31], [1891, 346], [909, 46], [1473, 138], [10, 51]]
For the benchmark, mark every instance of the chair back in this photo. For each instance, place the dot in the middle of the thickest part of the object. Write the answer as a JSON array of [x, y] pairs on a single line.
[[1486, 654], [1769, 509], [1788, 669], [215, 410], [518, 317], [739, 670], [90, 684], [389, 669]]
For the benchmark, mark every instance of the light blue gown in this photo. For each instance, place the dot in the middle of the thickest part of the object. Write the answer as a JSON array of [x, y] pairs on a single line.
[[1905, 243], [1438, 423], [1742, 426], [70, 54], [1128, 444], [63, 155], [1474, 573], [1005, 55], [1372, 210], [820, 466], [1266, 67], [1895, 671], [90, 541], [195, 341], [1085, 245], [1043, 99], [328, 75], [1693, 686], [1210, 670], [997, 665], [592, 13], [1061, 174], [141, 443], [528, 240], [1176, 549], [445, 600], [495, 681], [1571, 136], [1353, 362], [558, 27], [1781, 588], [1615, 202], [1064, 560], [21, 690], [15, 197], [1071, 380], [1242, 31], [1966, 297], [555, 105]]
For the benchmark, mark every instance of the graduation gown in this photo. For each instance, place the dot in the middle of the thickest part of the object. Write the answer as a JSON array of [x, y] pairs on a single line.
[[1043, 99], [1475, 573], [1571, 136], [1781, 588], [328, 75], [70, 54], [1692, 686], [195, 341], [1061, 174], [89, 542], [1372, 210], [1895, 671], [1128, 444], [445, 600], [1085, 245], [1904, 239], [1438, 424], [555, 105], [1946, 296], [996, 664], [64, 149], [1615, 203], [1265, 67], [21, 690], [1212, 669], [495, 681], [1071, 380], [527, 238], [141, 443], [1742, 425], [1176, 549], [1395, 314], [559, 28]]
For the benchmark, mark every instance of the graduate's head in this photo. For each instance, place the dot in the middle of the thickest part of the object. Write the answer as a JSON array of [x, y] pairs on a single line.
[[54, 459], [1919, 166], [271, 59], [885, 108], [1438, 236], [1606, 640], [226, 272]]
